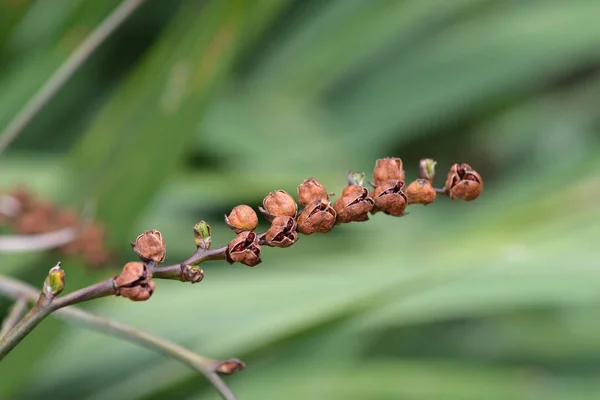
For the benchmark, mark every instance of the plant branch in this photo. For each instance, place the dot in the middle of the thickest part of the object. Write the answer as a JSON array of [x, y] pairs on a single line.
[[66, 70], [174, 271], [46, 305], [14, 315], [15, 289]]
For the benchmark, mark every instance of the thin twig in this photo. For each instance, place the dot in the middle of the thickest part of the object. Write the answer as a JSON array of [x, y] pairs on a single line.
[[37, 242], [13, 288], [45, 307], [66, 70], [14, 315]]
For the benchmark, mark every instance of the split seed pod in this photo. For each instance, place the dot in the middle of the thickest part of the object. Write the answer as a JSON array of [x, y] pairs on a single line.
[[150, 246], [354, 204], [134, 282], [463, 183], [282, 232], [390, 198], [319, 217], [244, 249]]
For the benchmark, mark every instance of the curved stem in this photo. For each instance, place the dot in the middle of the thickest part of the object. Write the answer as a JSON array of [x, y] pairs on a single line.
[[14, 315], [45, 307], [16, 289]]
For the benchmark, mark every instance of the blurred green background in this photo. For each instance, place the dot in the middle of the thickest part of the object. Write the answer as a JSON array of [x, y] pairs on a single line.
[[192, 107]]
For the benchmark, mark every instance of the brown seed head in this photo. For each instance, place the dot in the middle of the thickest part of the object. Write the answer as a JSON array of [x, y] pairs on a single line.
[[244, 249], [282, 232], [354, 205], [388, 169], [150, 246], [134, 282], [463, 183], [420, 192], [279, 203], [242, 218], [390, 198], [319, 217], [310, 191], [228, 367]]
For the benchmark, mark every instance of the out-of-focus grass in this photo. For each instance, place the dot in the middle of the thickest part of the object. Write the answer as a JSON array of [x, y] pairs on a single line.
[[193, 107]]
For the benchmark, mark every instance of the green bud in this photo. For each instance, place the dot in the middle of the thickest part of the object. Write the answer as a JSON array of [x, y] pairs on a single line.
[[427, 169], [356, 178], [202, 237], [55, 281]]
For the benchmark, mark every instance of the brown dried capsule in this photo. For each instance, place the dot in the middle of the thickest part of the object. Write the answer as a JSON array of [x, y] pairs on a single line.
[[242, 218], [134, 282], [229, 367], [279, 203], [420, 192], [388, 169], [354, 205], [310, 191], [319, 217], [389, 197], [463, 183], [282, 232], [244, 249], [150, 246]]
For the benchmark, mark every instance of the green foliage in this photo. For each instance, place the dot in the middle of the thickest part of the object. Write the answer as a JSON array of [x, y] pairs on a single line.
[[194, 107]]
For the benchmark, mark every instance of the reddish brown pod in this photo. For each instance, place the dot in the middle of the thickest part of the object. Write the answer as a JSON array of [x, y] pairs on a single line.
[[279, 203], [242, 218], [135, 282], [310, 191], [388, 169], [463, 183], [150, 246], [317, 217], [354, 204], [390, 198], [420, 192], [282, 232], [244, 249]]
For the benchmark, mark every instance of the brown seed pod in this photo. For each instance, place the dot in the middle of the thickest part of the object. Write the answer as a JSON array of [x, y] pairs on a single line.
[[319, 217], [420, 192], [310, 191], [390, 198], [229, 367], [282, 232], [463, 183], [354, 204], [242, 218], [244, 249], [279, 203], [150, 246], [134, 282], [388, 169]]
